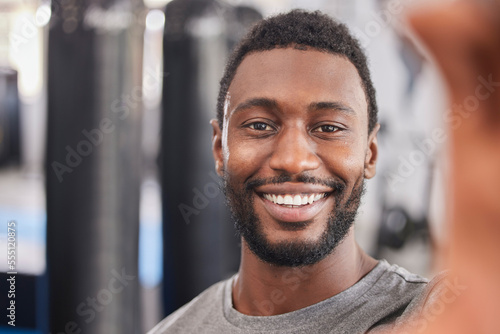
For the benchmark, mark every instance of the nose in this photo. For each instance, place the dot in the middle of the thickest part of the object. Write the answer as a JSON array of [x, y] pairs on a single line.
[[294, 153]]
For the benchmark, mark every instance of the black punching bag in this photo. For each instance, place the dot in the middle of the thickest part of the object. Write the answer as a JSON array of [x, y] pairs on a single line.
[[9, 117], [93, 166], [200, 246]]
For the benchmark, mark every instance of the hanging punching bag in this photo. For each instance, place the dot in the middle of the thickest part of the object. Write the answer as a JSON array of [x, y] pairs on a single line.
[[9, 117], [92, 166], [200, 246]]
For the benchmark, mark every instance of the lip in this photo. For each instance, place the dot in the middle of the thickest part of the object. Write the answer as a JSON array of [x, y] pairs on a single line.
[[293, 214]]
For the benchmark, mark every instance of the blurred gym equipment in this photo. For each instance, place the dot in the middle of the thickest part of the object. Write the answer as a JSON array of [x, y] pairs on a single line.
[[9, 117], [200, 247], [93, 165]]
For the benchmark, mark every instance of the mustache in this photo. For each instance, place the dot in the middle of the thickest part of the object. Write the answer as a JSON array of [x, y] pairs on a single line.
[[336, 185]]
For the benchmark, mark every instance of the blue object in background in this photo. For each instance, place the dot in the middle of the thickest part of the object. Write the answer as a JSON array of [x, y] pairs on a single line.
[[11, 330]]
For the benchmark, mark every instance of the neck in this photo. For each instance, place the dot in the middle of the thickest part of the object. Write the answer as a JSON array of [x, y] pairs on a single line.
[[262, 289]]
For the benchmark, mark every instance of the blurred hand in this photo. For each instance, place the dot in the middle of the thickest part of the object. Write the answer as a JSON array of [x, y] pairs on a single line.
[[464, 38]]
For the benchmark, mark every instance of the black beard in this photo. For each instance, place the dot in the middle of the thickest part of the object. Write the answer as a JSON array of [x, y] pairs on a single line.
[[292, 253]]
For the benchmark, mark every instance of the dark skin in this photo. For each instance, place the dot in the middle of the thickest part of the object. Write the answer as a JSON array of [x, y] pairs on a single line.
[[296, 112], [464, 39]]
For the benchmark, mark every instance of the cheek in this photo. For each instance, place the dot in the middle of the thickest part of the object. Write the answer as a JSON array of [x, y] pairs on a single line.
[[245, 158], [346, 160]]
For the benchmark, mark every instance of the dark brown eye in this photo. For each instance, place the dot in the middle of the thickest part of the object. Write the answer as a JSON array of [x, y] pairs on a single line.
[[327, 128], [259, 126]]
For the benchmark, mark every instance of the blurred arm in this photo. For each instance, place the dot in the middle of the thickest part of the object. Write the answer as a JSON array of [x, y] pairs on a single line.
[[464, 38]]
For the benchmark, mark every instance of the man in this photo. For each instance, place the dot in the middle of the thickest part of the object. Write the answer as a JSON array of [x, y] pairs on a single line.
[[294, 140]]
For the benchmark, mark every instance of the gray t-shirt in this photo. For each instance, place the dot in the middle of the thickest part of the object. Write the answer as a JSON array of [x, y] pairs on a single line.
[[375, 303]]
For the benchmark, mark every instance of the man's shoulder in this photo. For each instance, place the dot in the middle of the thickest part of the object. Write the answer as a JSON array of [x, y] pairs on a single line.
[[381, 297], [396, 281], [421, 304], [401, 273], [206, 305], [438, 294]]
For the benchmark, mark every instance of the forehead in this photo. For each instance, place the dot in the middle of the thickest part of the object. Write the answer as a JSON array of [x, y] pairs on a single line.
[[297, 77]]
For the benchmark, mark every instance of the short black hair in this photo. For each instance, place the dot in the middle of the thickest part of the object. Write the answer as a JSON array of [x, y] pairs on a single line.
[[300, 28]]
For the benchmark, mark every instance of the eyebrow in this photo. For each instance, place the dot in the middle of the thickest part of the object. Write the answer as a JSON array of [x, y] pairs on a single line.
[[316, 106], [261, 102], [269, 104]]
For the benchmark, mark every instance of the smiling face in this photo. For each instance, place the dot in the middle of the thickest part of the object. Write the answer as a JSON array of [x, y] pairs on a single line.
[[294, 152]]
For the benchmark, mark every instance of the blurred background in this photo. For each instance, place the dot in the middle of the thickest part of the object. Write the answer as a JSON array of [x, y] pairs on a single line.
[[106, 163]]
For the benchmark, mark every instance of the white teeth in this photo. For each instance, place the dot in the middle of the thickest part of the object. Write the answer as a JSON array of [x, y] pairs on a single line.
[[295, 200], [280, 200], [310, 200]]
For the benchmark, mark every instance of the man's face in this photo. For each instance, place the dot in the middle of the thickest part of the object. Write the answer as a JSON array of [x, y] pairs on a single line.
[[294, 152]]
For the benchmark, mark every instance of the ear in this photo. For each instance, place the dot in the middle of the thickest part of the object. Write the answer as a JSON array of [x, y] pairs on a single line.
[[372, 153], [217, 147]]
